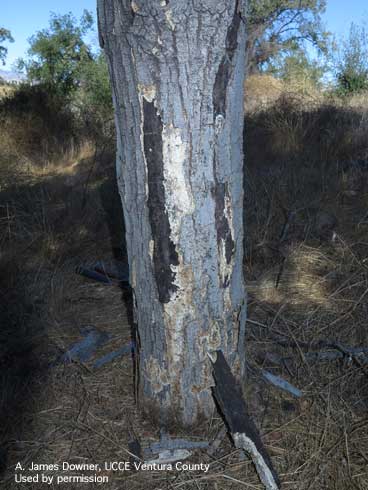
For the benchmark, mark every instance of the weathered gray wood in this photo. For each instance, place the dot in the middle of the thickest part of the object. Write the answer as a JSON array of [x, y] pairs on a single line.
[[177, 70], [359, 354], [125, 349], [84, 349], [216, 443], [168, 444], [281, 383]]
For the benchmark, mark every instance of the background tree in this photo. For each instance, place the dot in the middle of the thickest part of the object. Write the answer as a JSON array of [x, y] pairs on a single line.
[[5, 36], [281, 26], [70, 76], [177, 71], [56, 54], [93, 96], [351, 61], [298, 70]]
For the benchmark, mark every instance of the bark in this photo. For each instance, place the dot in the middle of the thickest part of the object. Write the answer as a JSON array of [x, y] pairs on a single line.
[[177, 72]]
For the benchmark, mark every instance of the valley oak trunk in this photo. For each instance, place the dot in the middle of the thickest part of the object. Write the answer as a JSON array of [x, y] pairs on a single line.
[[177, 73]]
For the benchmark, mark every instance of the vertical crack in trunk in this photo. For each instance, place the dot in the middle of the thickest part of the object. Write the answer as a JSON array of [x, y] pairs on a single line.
[[179, 119], [223, 74], [225, 241], [164, 253], [223, 212]]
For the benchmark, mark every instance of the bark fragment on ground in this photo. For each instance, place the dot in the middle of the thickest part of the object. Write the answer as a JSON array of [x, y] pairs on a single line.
[[243, 431]]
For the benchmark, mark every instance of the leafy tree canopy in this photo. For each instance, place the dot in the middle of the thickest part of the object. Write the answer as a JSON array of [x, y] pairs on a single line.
[[282, 26], [5, 35], [351, 61], [93, 97], [297, 69], [56, 53]]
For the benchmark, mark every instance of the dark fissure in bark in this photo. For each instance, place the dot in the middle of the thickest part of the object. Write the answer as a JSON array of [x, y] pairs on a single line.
[[224, 72], [164, 253], [222, 224]]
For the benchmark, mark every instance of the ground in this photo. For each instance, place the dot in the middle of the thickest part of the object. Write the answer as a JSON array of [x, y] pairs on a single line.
[[306, 269]]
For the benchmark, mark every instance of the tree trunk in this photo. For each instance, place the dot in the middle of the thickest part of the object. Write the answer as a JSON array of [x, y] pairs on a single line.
[[177, 72]]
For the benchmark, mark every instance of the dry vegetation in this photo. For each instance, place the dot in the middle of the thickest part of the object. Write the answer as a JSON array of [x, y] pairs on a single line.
[[306, 268]]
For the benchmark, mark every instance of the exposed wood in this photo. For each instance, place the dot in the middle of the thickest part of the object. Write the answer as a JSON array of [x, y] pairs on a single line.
[[358, 354], [167, 444], [169, 456], [215, 444], [124, 350], [281, 383], [84, 349]]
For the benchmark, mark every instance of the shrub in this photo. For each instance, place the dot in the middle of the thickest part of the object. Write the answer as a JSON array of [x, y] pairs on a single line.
[[56, 53], [93, 99], [352, 62]]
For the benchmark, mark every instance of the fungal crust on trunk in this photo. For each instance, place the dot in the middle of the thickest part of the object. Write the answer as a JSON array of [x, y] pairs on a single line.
[[164, 252]]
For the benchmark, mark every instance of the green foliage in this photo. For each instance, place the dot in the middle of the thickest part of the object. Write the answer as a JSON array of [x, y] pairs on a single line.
[[5, 35], [63, 64], [298, 69], [282, 26], [56, 53], [351, 61], [93, 97]]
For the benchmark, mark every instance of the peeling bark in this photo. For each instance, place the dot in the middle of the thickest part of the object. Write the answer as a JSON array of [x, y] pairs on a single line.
[[242, 428], [164, 253], [177, 74], [223, 219]]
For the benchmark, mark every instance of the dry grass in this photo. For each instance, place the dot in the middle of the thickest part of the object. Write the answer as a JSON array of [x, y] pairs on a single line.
[[306, 267], [261, 91], [264, 91], [6, 90], [309, 284]]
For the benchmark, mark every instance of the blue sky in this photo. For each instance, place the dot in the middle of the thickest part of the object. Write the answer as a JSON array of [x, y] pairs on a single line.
[[341, 13], [25, 17]]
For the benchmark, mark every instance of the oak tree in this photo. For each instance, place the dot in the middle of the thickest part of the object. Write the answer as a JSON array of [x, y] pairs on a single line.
[[177, 71], [278, 27], [5, 36]]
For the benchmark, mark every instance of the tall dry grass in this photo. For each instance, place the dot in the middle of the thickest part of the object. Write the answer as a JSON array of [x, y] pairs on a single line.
[[306, 209], [59, 207]]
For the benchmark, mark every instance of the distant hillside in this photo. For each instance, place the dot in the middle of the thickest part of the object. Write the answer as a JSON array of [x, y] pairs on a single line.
[[12, 76]]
